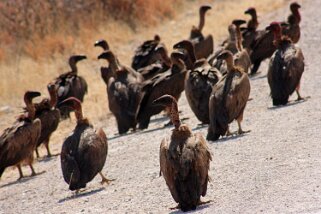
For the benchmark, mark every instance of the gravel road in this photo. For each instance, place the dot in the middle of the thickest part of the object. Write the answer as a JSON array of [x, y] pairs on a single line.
[[276, 168]]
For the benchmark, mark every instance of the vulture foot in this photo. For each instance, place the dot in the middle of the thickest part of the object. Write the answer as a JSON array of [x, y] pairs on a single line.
[[240, 131], [104, 179], [175, 208], [204, 202]]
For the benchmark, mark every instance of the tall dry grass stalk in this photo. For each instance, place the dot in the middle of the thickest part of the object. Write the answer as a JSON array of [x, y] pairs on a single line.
[[34, 55]]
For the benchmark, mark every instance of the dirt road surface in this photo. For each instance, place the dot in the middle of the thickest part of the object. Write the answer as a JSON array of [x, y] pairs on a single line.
[[276, 168]]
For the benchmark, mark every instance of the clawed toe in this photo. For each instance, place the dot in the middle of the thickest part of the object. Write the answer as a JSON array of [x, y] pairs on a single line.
[[243, 132]]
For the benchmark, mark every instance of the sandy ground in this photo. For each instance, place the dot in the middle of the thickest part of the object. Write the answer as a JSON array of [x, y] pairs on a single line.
[[276, 168]]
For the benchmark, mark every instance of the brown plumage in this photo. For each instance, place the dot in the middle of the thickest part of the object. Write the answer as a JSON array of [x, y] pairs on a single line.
[[198, 88], [250, 32], [18, 142], [124, 92], [228, 99], [203, 45], [162, 65], [184, 161], [145, 53], [285, 69], [293, 29], [171, 82], [70, 84], [104, 72], [84, 151], [199, 82], [242, 57], [261, 49], [229, 44], [49, 117]]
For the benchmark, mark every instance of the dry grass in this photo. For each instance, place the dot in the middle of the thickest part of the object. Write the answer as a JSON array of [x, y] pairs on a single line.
[[41, 59]]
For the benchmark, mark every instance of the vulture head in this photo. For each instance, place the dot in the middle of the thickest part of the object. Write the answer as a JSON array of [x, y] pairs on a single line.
[[251, 11], [238, 22], [75, 105], [188, 46], [103, 44], [157, 38], [52, 89], [205, 8], [76, 58], [29, 95], [170, 102], [108, 55], [294, 6], [274, 27], [228, 57]]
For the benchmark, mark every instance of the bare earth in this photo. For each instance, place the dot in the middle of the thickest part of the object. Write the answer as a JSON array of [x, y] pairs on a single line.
[[276, 168]]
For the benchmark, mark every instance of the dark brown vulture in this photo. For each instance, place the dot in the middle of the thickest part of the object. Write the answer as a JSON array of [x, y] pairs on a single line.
[[199, 82], [70, 84], [49, 116], [230, 44], [285, 69], [145, 53], [163, 64], [250, 32], [198, 88], [242, 57], [292, 30], [105, 72], [228, 99], [124, 92], [171, 82], [18, 142], [84, 151], [261, 49], [203, 45], [184, 161]]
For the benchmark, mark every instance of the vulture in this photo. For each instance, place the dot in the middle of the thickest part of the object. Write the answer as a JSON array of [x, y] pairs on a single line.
[[105, 72], [184, 160], [261, 49], [285, 68], [199, 82], [171, 82], [162, 65], [228, 99], [203, 45], [292, 30], [18, 142], [49, 116], [145, 53], [242, 57], [250, 32], [229, 44], [83, 152], [70, 84], [198, 88], [124, 92]]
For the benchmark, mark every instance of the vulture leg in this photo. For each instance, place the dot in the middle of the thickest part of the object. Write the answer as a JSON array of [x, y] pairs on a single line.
[[47, 147], [298, 93], [33, 173], [37, 153], [104, 179], [256, 66], [228, 132], [239, 120], [20, 172]]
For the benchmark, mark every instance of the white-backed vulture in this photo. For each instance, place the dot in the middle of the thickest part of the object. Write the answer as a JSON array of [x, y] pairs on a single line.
[[228, 99], [184, 160], [84, 151]]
